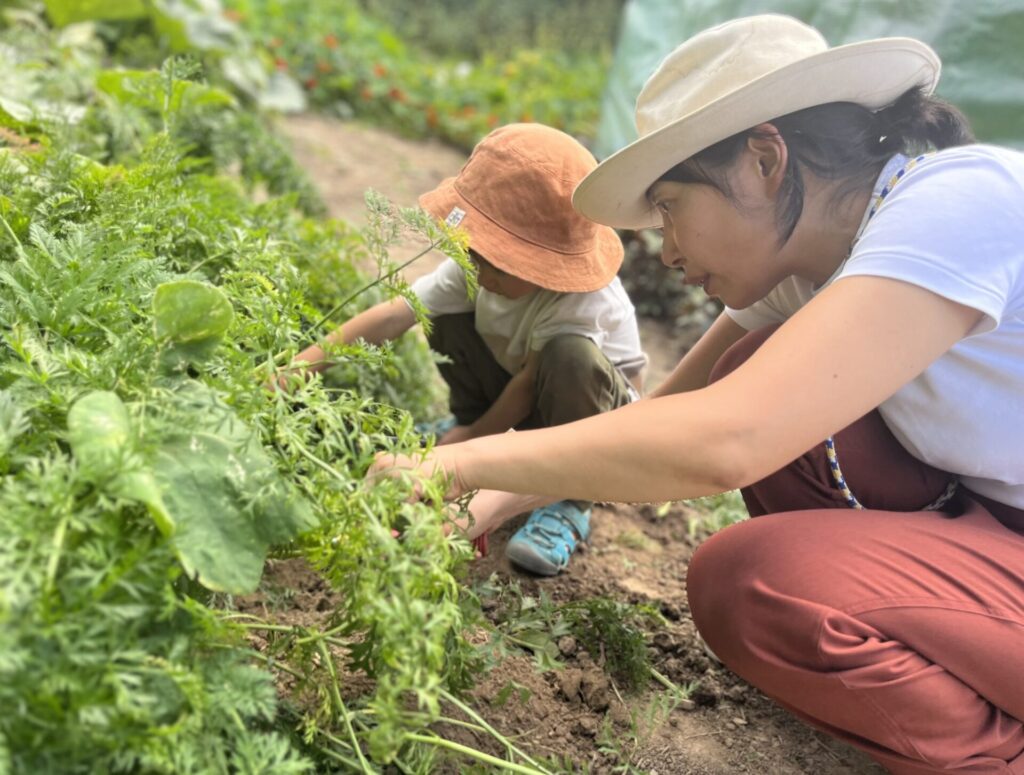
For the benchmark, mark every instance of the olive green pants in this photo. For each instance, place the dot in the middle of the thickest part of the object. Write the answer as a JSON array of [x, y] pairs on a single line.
[[574, 378]]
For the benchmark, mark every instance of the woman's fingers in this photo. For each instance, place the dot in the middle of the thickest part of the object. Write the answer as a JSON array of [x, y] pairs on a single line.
[[421, 467]]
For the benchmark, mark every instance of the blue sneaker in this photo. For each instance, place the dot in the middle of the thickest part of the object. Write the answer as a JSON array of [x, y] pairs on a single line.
[[435, 428], [546, 542]]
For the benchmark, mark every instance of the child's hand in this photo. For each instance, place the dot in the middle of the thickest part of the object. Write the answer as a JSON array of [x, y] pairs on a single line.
[[456, 434]]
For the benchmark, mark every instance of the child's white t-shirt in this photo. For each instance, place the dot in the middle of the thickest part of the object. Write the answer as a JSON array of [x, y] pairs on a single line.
[[511, 328], [954, 224]]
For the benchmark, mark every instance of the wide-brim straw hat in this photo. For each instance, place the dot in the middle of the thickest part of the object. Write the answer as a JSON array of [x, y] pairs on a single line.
[[731, 78], [513, 197]]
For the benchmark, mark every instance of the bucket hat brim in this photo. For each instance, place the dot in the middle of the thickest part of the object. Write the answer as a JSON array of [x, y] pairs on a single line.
[[590, 269], [872, 73]]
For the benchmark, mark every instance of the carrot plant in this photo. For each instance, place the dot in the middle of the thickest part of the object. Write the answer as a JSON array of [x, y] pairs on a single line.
[[147, 474]]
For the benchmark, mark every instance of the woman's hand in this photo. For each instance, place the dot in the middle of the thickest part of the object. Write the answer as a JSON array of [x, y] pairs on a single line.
[[436, 462]]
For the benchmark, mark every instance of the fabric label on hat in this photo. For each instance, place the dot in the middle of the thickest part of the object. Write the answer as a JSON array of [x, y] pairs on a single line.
[[455, 217]]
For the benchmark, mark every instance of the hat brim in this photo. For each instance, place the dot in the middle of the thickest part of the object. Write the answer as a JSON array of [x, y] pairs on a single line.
[[871, 73], [588, 270]]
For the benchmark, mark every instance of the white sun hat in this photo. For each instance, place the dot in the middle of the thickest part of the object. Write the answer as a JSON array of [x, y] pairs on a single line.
[[731, 78]]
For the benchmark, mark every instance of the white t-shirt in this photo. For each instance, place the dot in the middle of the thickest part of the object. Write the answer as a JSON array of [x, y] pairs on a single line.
[[954, 224], [513, 327]]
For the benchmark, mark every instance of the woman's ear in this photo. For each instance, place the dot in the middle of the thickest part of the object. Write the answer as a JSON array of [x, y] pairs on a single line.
[[769, 154]]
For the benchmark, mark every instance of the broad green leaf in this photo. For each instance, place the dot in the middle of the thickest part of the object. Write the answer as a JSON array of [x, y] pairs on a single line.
[[99, 431], [143, 487], [189, 26], [145, 89], [14, 114], [64, 12], [191, 312], [283, 94], [228, 505]]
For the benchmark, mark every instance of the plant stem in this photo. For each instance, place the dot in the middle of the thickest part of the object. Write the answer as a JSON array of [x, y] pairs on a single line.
[[667, 683], [21, 248], [339, 704], [344, 302], [475, 754], [491, 730]]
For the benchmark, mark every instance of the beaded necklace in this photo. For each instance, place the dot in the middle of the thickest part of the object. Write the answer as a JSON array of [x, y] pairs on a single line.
[[830, 445]]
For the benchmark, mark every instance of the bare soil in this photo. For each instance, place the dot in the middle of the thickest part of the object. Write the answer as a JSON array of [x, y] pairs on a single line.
[[576, 714]]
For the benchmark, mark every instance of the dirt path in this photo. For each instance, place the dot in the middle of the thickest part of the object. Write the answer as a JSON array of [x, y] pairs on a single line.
[[636, 555]]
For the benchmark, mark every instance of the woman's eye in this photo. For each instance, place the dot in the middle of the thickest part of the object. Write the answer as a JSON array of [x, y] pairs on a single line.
[[662, 207]]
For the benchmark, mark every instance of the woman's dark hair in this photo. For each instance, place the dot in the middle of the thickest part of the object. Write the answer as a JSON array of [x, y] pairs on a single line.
[[839, 141]]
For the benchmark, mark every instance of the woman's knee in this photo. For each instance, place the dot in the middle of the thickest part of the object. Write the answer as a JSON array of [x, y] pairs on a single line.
[[743, 588], [740, 352]]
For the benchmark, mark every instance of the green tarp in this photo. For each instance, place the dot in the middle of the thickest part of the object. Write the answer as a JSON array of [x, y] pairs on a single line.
[[981, 44]]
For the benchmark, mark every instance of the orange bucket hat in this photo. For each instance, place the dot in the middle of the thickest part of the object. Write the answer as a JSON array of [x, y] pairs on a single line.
[[513, 197]]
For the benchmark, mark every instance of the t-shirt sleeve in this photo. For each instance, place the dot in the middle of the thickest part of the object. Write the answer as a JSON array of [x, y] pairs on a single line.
[[953, 226], [444, 291]]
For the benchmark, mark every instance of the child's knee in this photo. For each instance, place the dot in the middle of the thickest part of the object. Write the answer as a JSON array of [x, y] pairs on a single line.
[[574, 380]]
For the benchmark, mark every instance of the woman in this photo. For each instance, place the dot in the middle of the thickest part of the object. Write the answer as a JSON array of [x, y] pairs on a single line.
[[865, 387]]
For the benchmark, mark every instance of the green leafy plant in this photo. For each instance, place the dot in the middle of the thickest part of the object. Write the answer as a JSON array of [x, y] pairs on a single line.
[[147, 472]]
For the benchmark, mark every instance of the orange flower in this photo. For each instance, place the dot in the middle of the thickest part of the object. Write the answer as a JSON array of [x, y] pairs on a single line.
[[379, 70], [323, 67], [431, 116], [281, 63], [366, 94], [468, 112], [232, 15], [274, 43], [310, 83], [526, 118], [492, 120], [331, 40], [396, 94]]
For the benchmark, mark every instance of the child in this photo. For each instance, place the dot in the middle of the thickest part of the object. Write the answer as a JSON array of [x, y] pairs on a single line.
[[551, 336]]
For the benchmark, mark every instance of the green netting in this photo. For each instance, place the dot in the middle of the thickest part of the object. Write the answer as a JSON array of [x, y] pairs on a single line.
[[981, 44]]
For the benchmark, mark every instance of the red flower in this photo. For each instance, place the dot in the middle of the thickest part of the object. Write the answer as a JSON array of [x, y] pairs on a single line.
[[275, 43], [310, 83], [331, 40], [323, 67], [366, 94], [468, 112], [281, 63], [379, 70], [431, 116], [396, 94], [232, 15]]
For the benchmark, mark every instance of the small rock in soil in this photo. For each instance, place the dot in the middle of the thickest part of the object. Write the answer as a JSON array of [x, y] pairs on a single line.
[[567, 645], [596, 690], [586, 726], [737, 694], [664, 641], [671, 611], [686, 704], [569, 681]]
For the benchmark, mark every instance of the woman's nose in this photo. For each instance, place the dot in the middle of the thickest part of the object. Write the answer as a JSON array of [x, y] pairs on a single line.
[[670, 255]]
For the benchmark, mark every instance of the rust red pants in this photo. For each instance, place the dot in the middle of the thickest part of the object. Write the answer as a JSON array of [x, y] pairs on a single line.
[[897, 630]]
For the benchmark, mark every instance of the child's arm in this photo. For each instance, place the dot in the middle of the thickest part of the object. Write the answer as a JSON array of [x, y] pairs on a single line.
[[381, 323], [512, 407]]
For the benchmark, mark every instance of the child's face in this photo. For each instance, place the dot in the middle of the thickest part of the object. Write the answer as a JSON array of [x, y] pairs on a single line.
[[497, 281]]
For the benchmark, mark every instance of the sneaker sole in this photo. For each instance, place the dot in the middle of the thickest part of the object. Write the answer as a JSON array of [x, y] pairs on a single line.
[[525, 556]]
